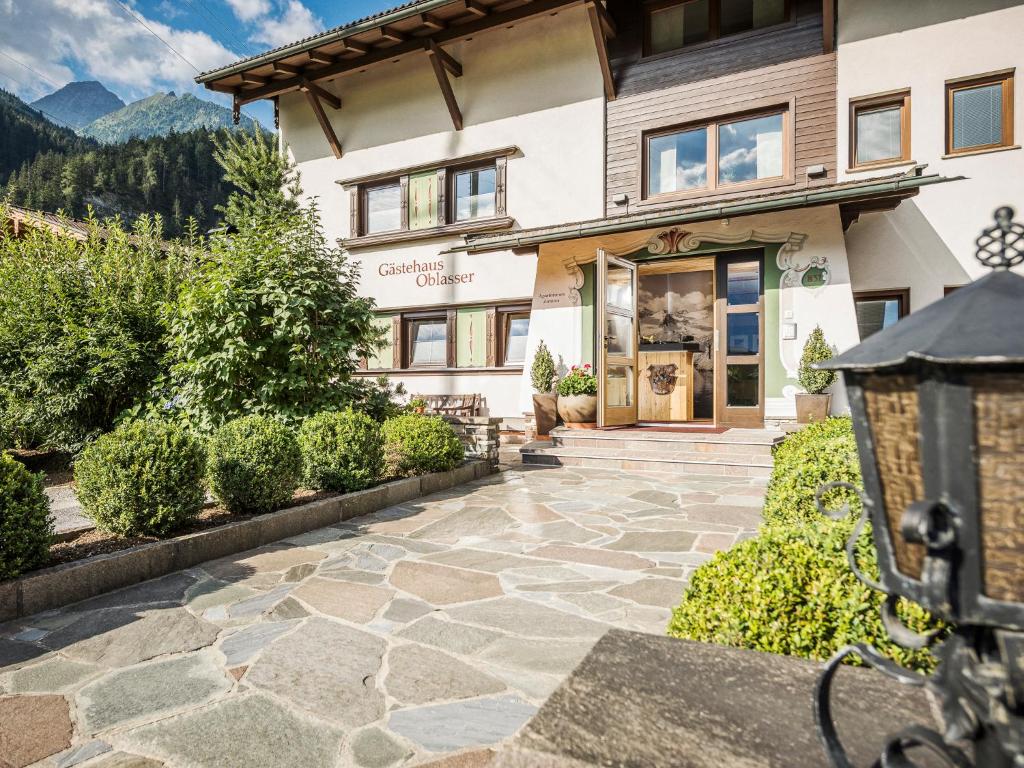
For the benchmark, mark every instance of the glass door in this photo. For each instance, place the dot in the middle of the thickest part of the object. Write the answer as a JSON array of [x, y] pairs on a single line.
[[617, 321], [739, 339]]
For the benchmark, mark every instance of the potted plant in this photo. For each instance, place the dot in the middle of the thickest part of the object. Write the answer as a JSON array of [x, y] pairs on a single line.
[[418, 405], [577, 398], [813, 404], [542, 376]]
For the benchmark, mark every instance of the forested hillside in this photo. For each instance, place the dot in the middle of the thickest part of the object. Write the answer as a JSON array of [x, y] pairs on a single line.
[[160, 114], [25, 133]]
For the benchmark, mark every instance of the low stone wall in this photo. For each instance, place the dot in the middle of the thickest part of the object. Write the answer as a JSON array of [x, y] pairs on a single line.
[[69, 583], [479, 436]]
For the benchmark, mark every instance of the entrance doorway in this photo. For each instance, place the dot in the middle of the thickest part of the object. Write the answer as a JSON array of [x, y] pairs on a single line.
[[739, 337]]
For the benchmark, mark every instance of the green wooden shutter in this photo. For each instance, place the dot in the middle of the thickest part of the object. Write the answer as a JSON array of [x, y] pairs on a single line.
[[471, 337], [423, 200], [384, 358]]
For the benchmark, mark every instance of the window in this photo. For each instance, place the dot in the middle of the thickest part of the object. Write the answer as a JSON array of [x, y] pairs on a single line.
[[428, 342], [746, 150], [880, 130], [675, 24], [877, 310], [979, 113], [515, 330], [383, 208], [475, 193]]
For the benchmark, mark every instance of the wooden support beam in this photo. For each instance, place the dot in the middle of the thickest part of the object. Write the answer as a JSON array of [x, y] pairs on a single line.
[[277, 111], [325, 124], [286, 69], [356, 47], [450, 62], [446, 87], [236, 109], [392, 34], [602, 49], [475, 8], [320, 58], [607, 22], [431, 21], [322, 94], [249, 77], [828, 27]]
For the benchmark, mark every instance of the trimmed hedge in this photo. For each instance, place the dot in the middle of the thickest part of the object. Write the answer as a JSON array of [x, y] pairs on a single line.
[[145, 477], [254, 464], [26, 527], [819, 453], [416, 445], [341, 451], [790, 590]]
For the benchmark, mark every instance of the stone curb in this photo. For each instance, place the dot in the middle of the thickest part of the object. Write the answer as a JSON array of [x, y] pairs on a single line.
[[69, 583]]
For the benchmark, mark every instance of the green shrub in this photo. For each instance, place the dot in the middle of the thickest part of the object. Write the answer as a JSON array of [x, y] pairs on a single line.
[[26, 527], [145, 477], [254, 464], [790, 590], [542, 372], [341, 451], [819, 453], [816, 350], [416, 445]]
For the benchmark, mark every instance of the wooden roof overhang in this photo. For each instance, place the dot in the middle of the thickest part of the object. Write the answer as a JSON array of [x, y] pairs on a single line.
[[416, 28]]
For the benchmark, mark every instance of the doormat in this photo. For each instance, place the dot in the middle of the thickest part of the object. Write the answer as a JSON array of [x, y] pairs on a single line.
[[709, 430]]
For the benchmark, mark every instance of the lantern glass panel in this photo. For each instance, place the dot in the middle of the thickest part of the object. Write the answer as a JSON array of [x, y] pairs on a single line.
[[999, 428], [892, 410]]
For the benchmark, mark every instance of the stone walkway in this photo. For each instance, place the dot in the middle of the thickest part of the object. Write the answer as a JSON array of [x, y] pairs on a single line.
[[432, 628]]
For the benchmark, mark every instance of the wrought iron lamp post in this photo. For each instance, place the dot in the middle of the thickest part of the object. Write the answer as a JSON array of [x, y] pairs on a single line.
[[938, 412]]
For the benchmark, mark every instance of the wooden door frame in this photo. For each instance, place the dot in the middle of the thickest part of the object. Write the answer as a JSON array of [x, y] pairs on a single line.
[[741, 416], [626, 415]]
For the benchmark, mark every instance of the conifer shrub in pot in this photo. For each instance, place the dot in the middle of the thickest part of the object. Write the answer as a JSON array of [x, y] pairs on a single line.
[[577, 398], [416, 445], [254, 465], [144, 478], [813, 403], [542, 376], [26, 527], [341, 451]]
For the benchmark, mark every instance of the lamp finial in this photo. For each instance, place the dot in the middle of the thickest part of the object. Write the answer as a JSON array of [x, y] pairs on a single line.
[[1001, 246]]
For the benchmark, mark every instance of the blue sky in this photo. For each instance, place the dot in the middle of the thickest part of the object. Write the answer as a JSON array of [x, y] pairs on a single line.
[[45, 44]]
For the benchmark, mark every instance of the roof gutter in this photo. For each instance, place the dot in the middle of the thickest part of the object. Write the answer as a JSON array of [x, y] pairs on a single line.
[[324, 39], [612, 226]]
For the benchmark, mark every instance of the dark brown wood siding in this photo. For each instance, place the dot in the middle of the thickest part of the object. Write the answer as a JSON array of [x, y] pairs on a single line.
[[731, 75]]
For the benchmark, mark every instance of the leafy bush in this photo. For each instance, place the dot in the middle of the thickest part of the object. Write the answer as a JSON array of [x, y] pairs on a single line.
[[790, 590], [254, 464], [819, 453], [542, 372], [26, 527], [816, 350], [416, 445], [579, 381], [341, 451], [145, 477], [82, 331], [377, 398]]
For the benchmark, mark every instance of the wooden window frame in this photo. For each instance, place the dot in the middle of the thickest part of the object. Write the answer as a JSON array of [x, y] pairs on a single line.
[[714, 25], [402, 182], [501, 332], [713, 126], [1006, 79], [901, 99], [407, 338], [452, 172], [902, 295]]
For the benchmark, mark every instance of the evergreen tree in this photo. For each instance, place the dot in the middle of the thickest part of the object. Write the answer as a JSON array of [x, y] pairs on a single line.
[[266, 183]]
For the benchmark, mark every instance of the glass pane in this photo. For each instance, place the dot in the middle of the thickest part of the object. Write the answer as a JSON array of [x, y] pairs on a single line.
[[744, 15], [741, 386], [978, 116], [383, 208], [517, 329], [677, 162], [878, 134], [743, 283], [875, 314], [750, 149], [679, 25], [429, 342], [743, 334], [619, 290], [474, 193], [619, 335], [619, 386]]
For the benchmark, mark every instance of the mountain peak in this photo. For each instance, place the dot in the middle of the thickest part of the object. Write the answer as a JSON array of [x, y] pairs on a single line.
[[79, 103]]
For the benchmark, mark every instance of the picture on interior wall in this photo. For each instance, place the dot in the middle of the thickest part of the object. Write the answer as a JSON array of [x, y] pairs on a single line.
[[678, 308]]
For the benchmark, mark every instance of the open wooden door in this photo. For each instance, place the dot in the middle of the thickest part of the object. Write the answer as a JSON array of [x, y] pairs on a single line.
[[739, 339], [617, 324]]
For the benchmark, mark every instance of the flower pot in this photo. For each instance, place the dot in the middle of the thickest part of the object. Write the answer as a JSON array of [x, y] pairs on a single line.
[[578, 411], [545, 413], [811, 408]]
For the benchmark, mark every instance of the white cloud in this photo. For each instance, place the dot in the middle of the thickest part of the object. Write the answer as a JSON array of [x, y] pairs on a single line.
[[294, 22], [247, 10]]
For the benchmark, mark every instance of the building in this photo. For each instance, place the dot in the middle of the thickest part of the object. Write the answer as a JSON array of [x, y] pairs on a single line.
[[645, 185]]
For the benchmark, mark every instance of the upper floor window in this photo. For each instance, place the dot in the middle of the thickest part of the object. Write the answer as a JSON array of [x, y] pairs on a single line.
[[979, 113], [724, 153], [475, 193], [675, 24], [383, 208], [880, 130]]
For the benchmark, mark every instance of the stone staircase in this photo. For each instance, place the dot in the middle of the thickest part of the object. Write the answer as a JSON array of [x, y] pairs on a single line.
[[735, 452]]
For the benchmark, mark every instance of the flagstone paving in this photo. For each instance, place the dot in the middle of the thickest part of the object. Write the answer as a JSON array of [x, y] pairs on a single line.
[[428, 631]]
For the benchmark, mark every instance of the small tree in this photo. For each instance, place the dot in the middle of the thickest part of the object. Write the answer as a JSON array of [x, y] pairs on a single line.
[[542, 372], [265, 176], [816, 350]]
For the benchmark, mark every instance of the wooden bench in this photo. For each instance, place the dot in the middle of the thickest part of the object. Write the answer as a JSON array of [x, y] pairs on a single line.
[[452, 405]]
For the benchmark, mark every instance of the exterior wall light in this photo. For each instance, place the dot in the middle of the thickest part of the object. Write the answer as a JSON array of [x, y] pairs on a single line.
[[938, 412]]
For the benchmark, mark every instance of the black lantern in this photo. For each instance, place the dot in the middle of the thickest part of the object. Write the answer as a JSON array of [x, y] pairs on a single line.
[[938, 412]]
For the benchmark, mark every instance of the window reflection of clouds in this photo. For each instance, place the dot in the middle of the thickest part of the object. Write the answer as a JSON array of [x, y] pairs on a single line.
[[678, 161], [750, 149]]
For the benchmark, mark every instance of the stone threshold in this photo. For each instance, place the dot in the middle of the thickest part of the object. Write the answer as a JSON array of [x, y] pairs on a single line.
[[68, 583]]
